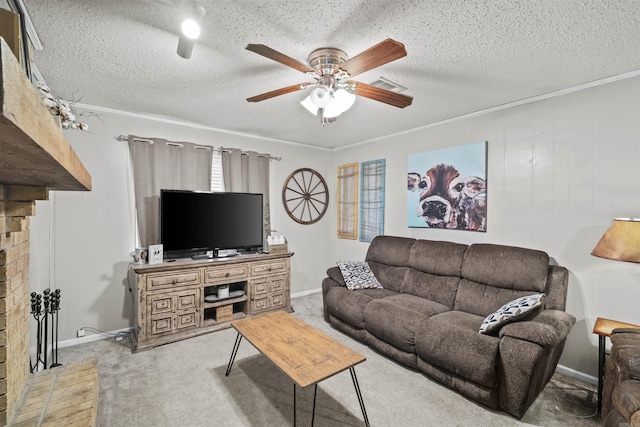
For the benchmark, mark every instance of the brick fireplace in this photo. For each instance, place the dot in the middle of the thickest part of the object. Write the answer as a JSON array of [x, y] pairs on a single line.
[[16, 206]]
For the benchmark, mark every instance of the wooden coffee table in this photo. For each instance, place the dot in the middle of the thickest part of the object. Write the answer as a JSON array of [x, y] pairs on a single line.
[[303, 353]]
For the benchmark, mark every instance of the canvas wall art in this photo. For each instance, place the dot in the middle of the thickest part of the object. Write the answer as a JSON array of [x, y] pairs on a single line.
[[447, 188]]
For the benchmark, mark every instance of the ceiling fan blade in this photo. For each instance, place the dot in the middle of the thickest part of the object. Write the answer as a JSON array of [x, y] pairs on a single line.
[[377, 94], [278, 92], [384, 52], [267, 52]]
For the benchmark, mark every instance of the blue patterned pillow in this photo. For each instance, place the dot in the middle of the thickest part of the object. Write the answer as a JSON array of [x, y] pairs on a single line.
[[358, 275], [512, 311]]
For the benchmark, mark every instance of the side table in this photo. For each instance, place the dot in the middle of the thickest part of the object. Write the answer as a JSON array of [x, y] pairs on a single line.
[[603, 327]]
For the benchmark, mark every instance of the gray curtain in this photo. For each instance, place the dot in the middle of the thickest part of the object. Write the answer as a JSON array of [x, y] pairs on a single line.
[[248, 172], [159, 164]]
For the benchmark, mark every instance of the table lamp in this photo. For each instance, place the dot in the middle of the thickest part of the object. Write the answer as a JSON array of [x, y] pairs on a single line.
[[621, 242]]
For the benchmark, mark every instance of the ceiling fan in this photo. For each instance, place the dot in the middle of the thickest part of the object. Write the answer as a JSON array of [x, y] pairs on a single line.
[[333, 92]]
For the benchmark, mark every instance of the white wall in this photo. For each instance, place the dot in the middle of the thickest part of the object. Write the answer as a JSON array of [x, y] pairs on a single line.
[[81, 240], [559, 171]]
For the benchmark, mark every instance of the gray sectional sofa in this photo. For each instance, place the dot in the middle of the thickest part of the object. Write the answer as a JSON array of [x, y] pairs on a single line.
[[435, 296]]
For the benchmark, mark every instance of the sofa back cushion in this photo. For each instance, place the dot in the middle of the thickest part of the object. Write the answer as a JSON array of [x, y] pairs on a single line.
[[434, 271], [493, 275], [388, 257]]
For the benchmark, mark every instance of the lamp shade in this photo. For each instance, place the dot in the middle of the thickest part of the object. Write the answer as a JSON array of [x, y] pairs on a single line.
[[341, 102], [621, 242], [306, 103], [320, 96]]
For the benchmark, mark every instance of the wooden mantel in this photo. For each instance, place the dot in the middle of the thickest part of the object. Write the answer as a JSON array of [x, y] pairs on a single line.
[[32, 149]]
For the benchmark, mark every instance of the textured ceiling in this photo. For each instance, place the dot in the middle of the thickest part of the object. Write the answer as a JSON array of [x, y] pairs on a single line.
[[463, 56]]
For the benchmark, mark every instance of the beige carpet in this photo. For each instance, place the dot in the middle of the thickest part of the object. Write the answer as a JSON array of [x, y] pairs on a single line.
[[183, 384]]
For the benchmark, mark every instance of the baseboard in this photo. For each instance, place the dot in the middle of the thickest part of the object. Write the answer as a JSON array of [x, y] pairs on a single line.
[[305, 293], [577, 374], [93, 337]]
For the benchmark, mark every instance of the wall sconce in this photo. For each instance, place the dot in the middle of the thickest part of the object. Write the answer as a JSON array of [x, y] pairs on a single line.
[[190, 28]]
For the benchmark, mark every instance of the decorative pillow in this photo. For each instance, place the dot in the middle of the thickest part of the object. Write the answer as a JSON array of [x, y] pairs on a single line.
[[518, 309], [358, 275]]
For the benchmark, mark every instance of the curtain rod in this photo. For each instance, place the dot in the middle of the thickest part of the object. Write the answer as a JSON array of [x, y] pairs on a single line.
[[226, 150], [124, 138]]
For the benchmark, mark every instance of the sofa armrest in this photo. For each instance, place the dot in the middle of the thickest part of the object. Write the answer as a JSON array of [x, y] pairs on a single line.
[[335, 274], [548, 329]]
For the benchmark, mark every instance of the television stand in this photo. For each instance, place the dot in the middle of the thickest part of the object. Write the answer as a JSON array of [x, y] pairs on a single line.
[[173, 300]]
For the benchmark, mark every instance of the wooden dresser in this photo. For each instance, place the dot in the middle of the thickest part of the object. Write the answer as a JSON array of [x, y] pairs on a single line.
[[176, 300]]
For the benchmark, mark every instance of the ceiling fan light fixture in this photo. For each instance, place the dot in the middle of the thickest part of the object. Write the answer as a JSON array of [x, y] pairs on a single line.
[[343, 99], [341, 102], [332, 110], [306, 103], [320, 97]]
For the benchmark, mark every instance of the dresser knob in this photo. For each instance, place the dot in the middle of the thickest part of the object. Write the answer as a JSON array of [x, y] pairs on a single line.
[[226, 274]]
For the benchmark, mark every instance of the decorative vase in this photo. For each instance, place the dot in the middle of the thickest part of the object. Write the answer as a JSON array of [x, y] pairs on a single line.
[[223, 291]]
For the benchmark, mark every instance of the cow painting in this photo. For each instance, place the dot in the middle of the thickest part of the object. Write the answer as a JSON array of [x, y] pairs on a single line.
[[448, 199]]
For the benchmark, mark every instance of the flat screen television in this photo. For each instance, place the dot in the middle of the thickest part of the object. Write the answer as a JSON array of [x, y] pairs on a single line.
[[193, 223]]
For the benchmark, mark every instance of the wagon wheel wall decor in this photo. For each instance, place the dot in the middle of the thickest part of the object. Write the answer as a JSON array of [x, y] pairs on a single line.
[[305, 196]]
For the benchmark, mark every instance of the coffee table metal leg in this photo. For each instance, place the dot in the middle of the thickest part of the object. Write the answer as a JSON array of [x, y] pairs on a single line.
[[233, 354], [313, 411], [294, 405], [357, 387]]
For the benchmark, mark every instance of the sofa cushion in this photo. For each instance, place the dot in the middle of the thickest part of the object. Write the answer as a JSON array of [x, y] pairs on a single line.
[[481, 299], [506, 267], [518, 309], [451, 341], [390, 250], [358, 275], [394, 319], [349, 305], [390, 277], [437, 257], [388, 258], [441, 289]]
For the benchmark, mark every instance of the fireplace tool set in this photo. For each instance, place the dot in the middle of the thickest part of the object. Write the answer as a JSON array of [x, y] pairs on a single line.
[[43, 306]]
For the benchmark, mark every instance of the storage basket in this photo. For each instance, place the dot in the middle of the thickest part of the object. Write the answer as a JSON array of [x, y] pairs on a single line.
[[278, 248], [224, 313]]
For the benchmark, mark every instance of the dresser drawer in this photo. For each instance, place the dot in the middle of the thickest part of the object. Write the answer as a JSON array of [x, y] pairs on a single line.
[[259, 305], [226, 275], [168, 302], [278, 300], [260, 286], [187, 320], [161, 304], [271, 267], [161, 324], [164, 281]]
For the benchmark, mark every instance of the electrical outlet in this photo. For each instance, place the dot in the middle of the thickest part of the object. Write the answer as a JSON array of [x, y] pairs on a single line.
[[80, 333]]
